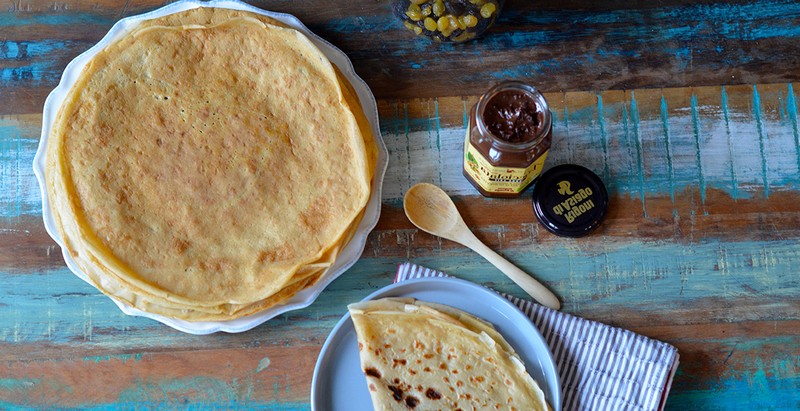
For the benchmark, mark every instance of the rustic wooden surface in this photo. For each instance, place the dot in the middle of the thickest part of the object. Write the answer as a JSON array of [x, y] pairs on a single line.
[[686, 109]]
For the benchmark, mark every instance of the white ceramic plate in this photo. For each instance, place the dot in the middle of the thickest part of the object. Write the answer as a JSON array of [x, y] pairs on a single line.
[[349, 254], [339, 384]]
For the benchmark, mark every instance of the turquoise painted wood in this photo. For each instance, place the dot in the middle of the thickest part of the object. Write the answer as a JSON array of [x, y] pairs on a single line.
[[699, 249], [561, 45]]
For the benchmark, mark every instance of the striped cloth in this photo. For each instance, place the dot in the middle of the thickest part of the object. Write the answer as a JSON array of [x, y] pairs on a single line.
[[600, 367]]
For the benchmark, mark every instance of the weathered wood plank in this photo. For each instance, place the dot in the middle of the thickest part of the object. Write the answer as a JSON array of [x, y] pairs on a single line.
[[250, 376], [231, 378], [643, 142], [716, 357], [25, 247], [667, 134], [638, 287], [19, 139], [236, 376], [558, 45]]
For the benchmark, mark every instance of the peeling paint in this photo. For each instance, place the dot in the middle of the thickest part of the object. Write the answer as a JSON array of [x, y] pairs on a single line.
[[263, 364]]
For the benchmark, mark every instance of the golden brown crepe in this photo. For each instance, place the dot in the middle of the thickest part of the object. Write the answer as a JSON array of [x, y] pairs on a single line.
[[418, 355], [208, 165]]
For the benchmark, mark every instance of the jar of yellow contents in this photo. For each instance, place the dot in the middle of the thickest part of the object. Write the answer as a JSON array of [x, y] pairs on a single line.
[[448, 20]]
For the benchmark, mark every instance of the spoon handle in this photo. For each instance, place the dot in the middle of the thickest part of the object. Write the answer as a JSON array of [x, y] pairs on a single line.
[[534, 288]]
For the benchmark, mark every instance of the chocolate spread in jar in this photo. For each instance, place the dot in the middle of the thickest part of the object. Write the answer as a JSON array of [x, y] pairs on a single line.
[[508, 137], [513, 116]]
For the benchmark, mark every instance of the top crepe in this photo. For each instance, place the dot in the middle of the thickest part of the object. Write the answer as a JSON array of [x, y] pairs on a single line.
[[208, 164], [426, 356]]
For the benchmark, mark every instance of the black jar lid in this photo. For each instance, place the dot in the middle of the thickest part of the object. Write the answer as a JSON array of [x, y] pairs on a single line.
[[570, 200]]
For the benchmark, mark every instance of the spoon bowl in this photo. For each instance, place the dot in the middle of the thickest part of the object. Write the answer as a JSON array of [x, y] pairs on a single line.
[[430, 209]]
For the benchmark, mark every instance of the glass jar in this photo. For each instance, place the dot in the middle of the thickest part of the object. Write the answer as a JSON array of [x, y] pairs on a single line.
[[509, 134], [448, 20]]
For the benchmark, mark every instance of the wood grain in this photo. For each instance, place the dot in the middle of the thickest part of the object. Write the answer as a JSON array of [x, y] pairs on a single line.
[[687, 110], [558, 45]]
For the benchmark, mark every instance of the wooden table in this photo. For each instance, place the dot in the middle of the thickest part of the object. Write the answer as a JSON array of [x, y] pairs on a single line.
[[686, 109]]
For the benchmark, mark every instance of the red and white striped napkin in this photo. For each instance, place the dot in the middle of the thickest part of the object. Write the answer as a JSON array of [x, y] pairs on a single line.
[[600, 367]]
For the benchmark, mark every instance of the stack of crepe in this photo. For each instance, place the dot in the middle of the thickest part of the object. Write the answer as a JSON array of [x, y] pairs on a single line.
[[208, 165], [426, 356]]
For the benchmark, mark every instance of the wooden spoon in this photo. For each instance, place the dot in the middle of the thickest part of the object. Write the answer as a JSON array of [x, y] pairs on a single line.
[[432, 211]]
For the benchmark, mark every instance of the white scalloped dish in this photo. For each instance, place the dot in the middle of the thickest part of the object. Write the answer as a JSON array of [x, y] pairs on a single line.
[[349, 254]]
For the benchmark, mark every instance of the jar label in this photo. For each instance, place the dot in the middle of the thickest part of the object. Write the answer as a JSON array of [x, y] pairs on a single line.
[[495, 179]]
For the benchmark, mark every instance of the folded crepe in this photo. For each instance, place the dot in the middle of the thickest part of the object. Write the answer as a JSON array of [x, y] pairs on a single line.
[[425, 356], [208, 165]]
